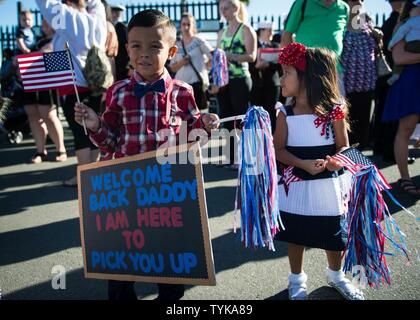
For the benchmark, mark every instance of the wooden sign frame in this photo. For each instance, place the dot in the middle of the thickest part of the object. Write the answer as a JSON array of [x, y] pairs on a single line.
[[195, 148]]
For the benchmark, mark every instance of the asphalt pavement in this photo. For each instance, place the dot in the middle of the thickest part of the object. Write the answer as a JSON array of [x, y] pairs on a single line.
[[39, 229]]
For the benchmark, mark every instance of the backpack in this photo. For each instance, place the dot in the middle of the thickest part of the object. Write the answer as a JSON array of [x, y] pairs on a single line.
[[98, 71]]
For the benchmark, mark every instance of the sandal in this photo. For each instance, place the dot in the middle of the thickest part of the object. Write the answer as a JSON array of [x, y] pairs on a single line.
[[408, 187], [39, 157], [60, 156]]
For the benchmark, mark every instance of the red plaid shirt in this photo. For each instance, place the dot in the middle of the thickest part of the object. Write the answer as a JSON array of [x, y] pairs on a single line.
[[131, 125]]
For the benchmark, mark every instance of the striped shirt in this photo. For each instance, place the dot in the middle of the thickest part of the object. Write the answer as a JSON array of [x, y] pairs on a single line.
[[131, 125]]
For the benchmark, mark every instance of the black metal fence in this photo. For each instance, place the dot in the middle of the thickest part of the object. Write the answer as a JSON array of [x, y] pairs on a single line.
[[206, 13]]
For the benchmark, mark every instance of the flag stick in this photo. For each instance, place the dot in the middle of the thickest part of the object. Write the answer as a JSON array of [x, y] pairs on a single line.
[[74, 83], [234, 118]]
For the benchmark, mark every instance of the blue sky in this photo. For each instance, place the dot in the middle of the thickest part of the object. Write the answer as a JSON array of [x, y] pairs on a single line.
[[257, 7]]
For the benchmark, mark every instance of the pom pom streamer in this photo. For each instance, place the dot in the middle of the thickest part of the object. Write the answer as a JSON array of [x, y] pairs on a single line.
[[257, 190], [366, 236], [219, 70]]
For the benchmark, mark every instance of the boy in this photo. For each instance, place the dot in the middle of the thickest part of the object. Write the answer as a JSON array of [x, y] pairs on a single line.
[[25, 36], [138, 107]]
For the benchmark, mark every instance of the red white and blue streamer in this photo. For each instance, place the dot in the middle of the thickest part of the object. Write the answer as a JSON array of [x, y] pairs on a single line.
[[369, 223], [257, 196]]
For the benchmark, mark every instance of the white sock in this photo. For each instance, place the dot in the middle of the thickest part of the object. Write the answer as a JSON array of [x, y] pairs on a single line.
[[298, 278], [335, 276]]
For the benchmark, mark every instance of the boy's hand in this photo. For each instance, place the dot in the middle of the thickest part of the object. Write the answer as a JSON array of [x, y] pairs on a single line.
[[210, 121], [92, 120], [313, 166], [332, 164]]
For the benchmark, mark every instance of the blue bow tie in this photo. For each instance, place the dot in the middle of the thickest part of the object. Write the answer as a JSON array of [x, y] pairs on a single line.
[[140, 89]]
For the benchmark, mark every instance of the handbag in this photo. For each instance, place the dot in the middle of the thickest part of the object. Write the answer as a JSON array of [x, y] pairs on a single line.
[[203, 102], [382, 66]]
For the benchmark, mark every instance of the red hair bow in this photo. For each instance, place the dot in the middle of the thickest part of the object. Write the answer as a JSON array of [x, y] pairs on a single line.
[[294, 55]]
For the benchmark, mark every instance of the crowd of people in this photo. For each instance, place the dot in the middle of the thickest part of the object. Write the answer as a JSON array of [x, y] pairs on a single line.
[[342, 26], [332, 72]]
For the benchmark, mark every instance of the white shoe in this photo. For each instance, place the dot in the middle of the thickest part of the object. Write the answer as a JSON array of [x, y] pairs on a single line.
[[339, 282], [297, 286]]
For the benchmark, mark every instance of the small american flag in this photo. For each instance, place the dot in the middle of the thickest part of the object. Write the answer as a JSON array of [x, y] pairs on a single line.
[[45, 71], [355, 161], [288, 177]]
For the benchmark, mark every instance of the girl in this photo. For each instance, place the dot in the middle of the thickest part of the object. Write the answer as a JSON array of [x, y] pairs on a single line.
[[310, 130]]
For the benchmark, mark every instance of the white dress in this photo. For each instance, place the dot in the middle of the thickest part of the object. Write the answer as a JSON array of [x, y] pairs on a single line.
[[312, 206]]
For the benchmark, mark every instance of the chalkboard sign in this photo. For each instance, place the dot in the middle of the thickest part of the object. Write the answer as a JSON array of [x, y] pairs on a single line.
[[141, 220]]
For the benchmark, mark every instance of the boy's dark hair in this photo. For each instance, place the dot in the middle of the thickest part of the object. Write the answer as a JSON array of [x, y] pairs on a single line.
[[321, 81], [153, 18]]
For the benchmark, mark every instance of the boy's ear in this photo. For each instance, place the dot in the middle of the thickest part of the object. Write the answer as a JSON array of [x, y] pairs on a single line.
[[172, 52]]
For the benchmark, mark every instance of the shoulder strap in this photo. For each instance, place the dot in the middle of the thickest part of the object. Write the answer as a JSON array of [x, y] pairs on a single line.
[[303, 9], [200, 78], [234, 35], [289, 110], [302, 12]]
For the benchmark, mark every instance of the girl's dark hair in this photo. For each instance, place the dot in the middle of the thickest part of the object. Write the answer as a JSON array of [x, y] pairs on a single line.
[[321, 81], [408, 5]]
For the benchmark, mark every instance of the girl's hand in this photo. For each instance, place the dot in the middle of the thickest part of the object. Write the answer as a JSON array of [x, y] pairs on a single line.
[[313, 166], [92, 120], [332, 164]]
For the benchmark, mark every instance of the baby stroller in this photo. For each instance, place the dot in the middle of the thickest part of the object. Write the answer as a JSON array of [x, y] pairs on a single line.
[[13, 120]]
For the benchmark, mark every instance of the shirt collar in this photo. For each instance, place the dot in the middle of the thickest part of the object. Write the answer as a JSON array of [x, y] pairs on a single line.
[[321, 3], [137, 78]]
